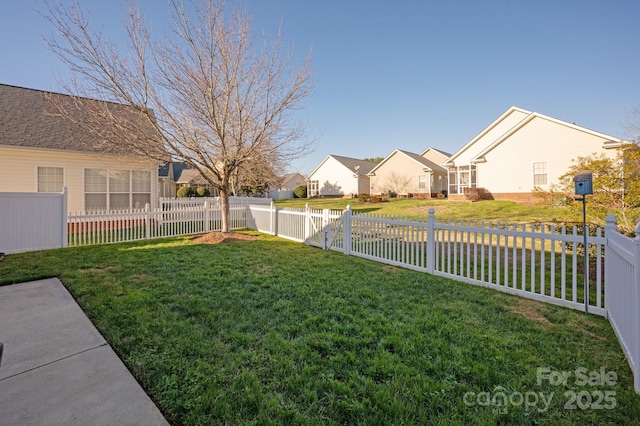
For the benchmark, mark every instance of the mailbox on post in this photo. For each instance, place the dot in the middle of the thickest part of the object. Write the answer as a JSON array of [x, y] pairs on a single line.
[[584, 183], [584, 186]]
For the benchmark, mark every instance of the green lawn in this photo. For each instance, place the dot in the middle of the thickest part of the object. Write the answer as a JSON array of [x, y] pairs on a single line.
[[276, 332], [447, 209]]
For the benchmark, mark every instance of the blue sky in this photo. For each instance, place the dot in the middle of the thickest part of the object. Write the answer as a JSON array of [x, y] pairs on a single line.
[[412, 74]]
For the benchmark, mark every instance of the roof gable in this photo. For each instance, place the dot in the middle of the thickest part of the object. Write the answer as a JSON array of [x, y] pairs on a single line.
[[354, 165], [609, 141], [426, 164], [497, 128], [439, 151]]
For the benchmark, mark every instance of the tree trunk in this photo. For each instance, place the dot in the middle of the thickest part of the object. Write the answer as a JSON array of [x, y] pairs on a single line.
[[225, 211]]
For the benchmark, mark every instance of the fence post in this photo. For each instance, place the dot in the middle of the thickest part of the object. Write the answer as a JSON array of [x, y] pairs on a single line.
[[609, 228], [636, 308], [207, 218], [273, 222], [307, 223], [431, 241], [147, 221], [65, 226], [346, 230]]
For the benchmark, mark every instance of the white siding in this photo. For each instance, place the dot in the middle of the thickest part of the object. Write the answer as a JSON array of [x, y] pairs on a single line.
[[492, 134], [435, 156], [335, 179], [399, 174], [20, 171], [509, 166]]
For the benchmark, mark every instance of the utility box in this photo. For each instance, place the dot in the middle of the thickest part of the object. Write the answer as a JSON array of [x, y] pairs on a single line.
[[584, 183]]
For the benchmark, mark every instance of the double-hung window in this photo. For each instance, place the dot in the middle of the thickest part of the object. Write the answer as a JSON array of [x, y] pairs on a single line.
[[540, 174], [50, 179], [106, 190], [422, 182]]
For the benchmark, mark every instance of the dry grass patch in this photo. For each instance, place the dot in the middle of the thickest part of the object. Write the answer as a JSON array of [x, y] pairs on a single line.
[[530, 310], [223, 237]]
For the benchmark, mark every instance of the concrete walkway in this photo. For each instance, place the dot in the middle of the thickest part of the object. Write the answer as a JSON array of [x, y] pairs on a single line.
[[57, 369]]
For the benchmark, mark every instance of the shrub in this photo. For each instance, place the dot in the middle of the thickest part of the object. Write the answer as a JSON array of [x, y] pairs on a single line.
[[363, 198], [478, 194], [203, 192], [184, 192], [375, 199], [300, 191]]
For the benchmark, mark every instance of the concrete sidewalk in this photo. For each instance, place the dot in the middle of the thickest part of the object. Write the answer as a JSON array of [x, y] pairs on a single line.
[[57, 369]]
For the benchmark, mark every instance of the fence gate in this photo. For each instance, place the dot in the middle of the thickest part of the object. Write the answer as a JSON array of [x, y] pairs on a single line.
[[325, 229]]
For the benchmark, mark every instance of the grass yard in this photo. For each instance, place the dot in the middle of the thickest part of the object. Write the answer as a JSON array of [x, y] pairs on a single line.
[[276, 332], [508, 211]]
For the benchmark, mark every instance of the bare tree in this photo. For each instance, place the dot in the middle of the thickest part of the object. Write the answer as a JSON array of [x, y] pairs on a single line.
[[220, 102], [396, 182]]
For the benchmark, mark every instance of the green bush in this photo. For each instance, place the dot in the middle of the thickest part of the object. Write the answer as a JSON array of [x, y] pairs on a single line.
[[375, 199], [300, 191], [203, 192], [184, 192], [363, 198]]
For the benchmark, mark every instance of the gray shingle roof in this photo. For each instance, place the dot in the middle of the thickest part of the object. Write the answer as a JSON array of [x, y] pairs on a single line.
[[428, 163], [27, 120], [364, 166]]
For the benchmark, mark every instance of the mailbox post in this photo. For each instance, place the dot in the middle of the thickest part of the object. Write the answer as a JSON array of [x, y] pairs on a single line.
[[583, 182]]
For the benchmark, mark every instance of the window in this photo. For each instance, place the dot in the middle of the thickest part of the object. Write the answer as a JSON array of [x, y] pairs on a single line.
[[116, 189], [50, 179], [95, 190], [461, 178], [540, 173], [422, 182], [313, 188], [140, 188]]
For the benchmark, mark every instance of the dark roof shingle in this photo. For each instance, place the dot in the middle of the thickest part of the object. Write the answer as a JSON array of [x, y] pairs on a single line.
[[28, 119]]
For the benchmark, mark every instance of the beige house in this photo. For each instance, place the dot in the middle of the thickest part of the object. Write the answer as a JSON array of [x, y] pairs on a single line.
[[522, 150], [408, 174], [291, 181], [338, 176], [42, 152]]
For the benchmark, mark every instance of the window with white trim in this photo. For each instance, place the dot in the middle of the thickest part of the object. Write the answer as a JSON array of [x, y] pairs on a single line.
[[313, 188], [106, 190], [540, 174], [50, 179], [422, 181]]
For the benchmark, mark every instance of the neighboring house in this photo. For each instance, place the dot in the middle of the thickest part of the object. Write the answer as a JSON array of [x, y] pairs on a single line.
[[338, 176], [407, 174], [42, 152], [291, 181], [520, 151], [172, 176]]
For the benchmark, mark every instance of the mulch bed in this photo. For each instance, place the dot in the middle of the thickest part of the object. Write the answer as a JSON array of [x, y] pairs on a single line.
[[223, 237]]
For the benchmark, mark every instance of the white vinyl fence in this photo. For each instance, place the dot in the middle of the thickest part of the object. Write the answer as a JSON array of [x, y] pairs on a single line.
[[32, 221], [116, 227], [178, 203], [622, 292]]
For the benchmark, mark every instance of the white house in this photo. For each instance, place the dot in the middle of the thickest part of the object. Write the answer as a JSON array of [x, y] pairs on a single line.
[[522, 150], [338, 176], [42, 152], [407, 173]]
